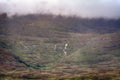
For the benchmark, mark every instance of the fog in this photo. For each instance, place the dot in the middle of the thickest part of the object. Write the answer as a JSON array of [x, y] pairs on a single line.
[[83, 8]]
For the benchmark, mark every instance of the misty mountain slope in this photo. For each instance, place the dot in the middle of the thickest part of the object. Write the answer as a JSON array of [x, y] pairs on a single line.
[[101, 49], [57, 26], [39, 40], [59, 40], [39, 27]]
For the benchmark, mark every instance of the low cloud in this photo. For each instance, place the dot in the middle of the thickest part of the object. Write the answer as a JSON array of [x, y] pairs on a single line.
[[83, 8]]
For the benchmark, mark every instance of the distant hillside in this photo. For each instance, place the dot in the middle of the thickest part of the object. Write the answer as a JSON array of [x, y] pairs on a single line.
[[56, 26], [58, 46]]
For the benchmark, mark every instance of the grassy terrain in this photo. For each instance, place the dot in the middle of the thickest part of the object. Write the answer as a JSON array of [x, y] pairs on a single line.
[[33, 47]]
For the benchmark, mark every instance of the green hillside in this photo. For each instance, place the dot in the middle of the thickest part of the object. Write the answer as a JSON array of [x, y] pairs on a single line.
[[98, 50], [59, 45]]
